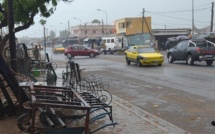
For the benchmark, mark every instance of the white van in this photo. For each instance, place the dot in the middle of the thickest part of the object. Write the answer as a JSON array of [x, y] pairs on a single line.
[[114, 43]]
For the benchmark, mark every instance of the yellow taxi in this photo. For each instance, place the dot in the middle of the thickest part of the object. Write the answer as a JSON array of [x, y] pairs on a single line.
[[143, 55], [58, 48]]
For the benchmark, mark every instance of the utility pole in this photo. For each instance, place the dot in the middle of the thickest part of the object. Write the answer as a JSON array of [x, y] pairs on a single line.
[[12, 35], [85, 26], [68, 29], [44, 34], [143, 19], [193, 19], [102, 28], [212, 16]]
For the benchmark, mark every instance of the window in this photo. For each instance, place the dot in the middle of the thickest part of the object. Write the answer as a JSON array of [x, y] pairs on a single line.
[[123, 25], [112, 40], [119, 40], [108, 40], [134, 50], [120, 25], [81, 47], [74, 47], [128, 25], [130, 49], [146, 50], [191, 45], [184, 44], [179, 45], [201, 43], [94, 31]]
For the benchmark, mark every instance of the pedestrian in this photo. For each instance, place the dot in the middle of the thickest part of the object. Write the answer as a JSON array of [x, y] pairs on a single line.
[[92, 45], [104, 46], [36, 53], [40, 47], [168, 45]]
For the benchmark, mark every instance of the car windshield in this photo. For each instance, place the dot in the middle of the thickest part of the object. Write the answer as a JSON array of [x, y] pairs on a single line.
[[145, 50], [58, 46]]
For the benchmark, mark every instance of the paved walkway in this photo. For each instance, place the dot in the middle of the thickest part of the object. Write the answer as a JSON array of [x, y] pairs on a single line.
[[133, 120]]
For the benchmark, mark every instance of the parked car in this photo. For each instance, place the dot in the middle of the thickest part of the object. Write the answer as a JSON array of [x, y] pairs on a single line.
[[58, 48], [80, 50], [171, 42], [193, 50], [143, 55]]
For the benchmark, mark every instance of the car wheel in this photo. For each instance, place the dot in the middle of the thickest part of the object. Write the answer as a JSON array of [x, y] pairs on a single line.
[[138, 63], [128, 61], [159, 64], [209, 62], [190, 60], [92, 55], [170, 58]]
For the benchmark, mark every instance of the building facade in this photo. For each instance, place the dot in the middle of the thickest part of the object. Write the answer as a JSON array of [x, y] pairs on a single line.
[[161, 35], [130, 26], [91, 31]]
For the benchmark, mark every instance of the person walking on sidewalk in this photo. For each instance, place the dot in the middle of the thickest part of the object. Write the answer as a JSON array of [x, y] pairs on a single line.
[[104, 46], [36, 53]]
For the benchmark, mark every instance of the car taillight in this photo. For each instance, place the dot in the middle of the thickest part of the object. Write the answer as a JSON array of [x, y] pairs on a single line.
[[198, 49]]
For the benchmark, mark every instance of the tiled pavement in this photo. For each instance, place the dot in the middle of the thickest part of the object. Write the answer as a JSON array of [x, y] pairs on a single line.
[[133, 120]]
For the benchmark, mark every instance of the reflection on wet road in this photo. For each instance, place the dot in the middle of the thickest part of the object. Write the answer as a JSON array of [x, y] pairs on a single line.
[[179, 93]]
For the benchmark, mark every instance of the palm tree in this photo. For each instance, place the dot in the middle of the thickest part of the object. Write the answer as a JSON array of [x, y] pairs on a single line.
[[43, 22]]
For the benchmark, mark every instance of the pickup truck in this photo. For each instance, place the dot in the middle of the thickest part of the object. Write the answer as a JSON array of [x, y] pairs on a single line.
[[192, 50]]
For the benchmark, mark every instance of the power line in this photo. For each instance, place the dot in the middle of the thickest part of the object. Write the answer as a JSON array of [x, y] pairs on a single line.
[[180, 11], [177, 17], [203, 5], [175, 25]]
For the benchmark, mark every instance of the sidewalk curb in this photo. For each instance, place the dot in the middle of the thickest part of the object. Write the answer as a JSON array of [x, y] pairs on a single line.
[[152, 119]]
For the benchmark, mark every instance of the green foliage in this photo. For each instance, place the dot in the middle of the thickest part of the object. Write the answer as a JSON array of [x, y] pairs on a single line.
[[42, 22], [24, 13], [1, 16], [26, 10]]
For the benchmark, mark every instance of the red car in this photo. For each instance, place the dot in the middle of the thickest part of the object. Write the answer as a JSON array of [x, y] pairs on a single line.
[[80, 50]]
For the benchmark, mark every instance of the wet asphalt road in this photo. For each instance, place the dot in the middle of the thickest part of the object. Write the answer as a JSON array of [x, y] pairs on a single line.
[[178, 93]]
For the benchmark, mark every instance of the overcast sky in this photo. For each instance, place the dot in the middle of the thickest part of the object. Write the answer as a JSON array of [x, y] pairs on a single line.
[[164, 13]]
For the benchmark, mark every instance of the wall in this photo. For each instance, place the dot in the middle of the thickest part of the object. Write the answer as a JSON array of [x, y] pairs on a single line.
[[92, 31], [130, 26]]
